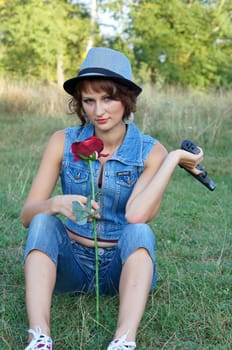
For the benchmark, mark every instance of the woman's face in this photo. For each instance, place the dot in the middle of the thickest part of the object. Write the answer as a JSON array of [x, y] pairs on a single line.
[[101, 109]]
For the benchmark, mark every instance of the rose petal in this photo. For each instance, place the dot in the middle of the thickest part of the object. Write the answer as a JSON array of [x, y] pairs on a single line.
[[88, 147]]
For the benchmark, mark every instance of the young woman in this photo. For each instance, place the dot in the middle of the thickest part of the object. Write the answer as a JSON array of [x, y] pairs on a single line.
[[132, 178]]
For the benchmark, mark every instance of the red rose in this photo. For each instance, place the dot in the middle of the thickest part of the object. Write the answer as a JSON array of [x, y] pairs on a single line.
[[92, 146]]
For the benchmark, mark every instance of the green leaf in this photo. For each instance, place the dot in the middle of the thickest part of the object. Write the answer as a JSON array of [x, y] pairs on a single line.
[[80, 213], [93, 156], [91, 213], [82, 156], [88, 204], [83, 214]]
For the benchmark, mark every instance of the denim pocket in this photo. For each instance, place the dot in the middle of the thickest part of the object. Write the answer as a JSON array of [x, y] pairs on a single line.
[[126, 178], [86, 259], [77, 174], [75, 178]]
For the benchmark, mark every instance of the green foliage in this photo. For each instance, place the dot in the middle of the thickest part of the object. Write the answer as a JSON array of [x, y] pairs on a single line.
[[179, 42], [184, 42], [38, 35], [194, 40]]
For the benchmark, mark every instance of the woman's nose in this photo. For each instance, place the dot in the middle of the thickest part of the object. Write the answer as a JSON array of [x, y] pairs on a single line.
[[99, 109]]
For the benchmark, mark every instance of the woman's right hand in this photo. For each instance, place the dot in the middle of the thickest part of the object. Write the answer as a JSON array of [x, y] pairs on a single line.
[[62, 204]]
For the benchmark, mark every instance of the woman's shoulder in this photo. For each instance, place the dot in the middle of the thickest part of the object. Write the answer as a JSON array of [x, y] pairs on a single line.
[[56, 143], [58, 136], [146, 138], [73, 130]]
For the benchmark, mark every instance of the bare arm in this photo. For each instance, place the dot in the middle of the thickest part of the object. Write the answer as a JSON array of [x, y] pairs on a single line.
[[146, 197], [39, 200]]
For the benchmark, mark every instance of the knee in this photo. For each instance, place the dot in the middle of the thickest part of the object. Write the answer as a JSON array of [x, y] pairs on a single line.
[[138, 233], [46, 233], [43, 225], [43, 218], [137, 237]]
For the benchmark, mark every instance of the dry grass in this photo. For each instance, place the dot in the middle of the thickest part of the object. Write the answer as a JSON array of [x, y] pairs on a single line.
[[203, 117], [25, 99]]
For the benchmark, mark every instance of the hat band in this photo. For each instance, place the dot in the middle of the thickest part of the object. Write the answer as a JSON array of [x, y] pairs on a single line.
[[101, 71]]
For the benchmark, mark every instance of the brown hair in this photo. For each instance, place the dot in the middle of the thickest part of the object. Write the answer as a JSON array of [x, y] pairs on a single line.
[[116, 90]]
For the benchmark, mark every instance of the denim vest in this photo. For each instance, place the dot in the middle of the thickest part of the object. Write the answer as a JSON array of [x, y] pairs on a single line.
[[120, 173]]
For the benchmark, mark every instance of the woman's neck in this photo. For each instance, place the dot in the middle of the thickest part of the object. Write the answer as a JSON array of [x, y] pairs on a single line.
[[112, 139]]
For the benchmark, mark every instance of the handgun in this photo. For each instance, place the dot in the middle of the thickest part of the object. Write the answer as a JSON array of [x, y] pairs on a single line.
[[203, 177]]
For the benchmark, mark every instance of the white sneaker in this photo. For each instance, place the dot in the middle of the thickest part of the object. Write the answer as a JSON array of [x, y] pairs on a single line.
[[39, 341], [121, 344]]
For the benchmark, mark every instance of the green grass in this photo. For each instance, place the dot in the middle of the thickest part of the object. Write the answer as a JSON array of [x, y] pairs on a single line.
[[191, 307]]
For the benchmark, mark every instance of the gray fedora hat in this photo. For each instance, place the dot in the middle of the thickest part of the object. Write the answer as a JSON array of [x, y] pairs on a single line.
[[102, 62]]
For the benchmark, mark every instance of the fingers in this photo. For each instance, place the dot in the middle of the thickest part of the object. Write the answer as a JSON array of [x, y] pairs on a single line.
[[92, 212], [81, 199], [195, 171], [190, 161], [95, 205], [64, 206], [200, 155]]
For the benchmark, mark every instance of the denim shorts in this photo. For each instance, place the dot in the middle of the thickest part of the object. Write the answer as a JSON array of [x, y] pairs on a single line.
[[75, 263]]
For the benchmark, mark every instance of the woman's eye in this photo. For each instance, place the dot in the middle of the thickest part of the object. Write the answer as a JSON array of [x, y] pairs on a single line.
[[88, 100], [108, 98]]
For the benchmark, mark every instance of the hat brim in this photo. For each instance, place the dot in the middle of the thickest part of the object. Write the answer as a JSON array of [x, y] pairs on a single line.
[[70, 84]]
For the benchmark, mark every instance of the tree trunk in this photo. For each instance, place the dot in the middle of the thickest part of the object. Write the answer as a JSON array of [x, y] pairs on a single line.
[[93, 21], [59, 71]]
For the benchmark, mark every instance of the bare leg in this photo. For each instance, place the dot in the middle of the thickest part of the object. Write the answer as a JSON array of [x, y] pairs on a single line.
[[134, 287], [40, 275]]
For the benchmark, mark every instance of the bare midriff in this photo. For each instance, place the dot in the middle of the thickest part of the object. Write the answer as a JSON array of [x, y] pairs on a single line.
[[88, 242]]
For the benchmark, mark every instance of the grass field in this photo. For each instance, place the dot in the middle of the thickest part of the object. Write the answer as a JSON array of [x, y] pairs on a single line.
[[191, 307]]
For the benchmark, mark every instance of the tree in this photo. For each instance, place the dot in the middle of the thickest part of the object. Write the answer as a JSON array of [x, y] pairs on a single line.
[[43, 38], [186, 42], [178, 41]]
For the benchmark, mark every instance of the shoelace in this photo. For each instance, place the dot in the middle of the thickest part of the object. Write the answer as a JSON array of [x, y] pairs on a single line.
[[40, 341], [121, 344]]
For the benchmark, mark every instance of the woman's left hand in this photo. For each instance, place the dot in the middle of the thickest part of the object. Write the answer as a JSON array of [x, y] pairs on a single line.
[[190, 161]]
